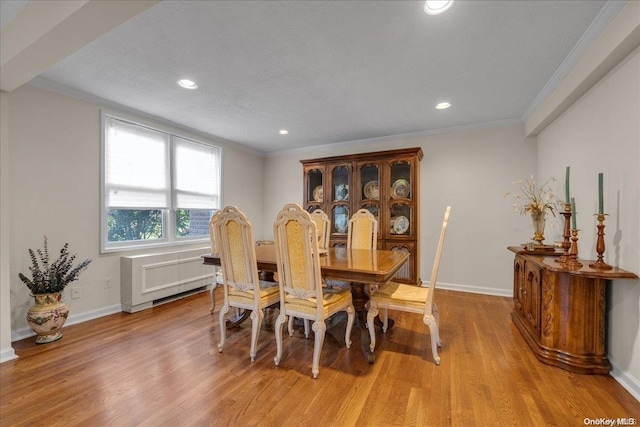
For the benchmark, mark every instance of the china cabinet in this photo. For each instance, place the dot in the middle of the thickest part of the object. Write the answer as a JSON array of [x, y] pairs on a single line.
[[386, 183]]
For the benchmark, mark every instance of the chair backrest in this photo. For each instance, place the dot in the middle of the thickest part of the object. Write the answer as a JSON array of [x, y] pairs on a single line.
[[212, 231], [297, 253], [323, 225], [234, 240], [363, 230], [436, 262]]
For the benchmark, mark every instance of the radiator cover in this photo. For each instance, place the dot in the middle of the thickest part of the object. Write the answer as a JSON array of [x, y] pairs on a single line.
[[145, 279]]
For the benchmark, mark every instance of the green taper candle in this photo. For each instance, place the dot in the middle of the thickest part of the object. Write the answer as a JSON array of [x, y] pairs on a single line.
[[600, 197], [566, 186]]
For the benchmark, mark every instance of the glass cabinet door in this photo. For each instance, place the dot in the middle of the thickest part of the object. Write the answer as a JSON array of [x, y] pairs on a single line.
[[340, 183], [400, 180], [370, 182], [340, 219], [400, 219], [314, 186]]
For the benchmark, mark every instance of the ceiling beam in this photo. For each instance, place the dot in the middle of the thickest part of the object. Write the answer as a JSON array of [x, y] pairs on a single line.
[[45, 32]]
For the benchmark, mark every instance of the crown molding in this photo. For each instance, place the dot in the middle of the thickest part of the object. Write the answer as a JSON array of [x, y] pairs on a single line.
[[604, 18], [391, 138]]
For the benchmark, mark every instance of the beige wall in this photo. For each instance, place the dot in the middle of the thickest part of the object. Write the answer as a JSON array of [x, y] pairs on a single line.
[[54, 151], [601, 133], [6, 351], [469, 171]]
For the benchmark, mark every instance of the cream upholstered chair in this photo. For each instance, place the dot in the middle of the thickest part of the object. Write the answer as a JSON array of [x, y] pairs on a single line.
[[242, 287], [301, 291], [411, 299], [323, 225], [363, 230], [362, 234], [217, 277]]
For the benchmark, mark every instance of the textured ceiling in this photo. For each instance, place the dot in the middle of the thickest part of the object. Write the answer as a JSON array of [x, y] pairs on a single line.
[[329, 71]]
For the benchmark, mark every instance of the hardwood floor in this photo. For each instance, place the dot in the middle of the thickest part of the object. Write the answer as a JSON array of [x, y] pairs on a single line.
[[161, 367]]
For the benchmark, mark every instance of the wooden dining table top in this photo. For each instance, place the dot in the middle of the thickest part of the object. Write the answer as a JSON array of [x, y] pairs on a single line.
[[354, 265]]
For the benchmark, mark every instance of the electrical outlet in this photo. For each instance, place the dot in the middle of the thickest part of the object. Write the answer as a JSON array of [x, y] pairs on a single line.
[[75, 292], [107, 282]]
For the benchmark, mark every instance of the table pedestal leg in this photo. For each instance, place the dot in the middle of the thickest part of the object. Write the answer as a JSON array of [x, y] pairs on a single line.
[[235, 321], [360, 300]]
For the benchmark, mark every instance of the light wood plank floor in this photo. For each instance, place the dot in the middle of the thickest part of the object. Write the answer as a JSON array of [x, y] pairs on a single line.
[[161, 367]]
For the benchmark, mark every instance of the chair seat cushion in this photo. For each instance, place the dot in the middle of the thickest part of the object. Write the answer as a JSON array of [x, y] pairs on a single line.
[[268, 291], [402, 292], [332, 300]]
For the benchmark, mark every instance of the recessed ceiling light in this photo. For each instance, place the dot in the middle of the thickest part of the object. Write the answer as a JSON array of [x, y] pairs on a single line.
[[188, 84], [283, 132], [436, 7], [443, 105]]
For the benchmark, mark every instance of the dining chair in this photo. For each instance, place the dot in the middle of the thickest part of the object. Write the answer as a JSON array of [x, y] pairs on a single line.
[[363, 230], [301, 292], [362, 234], [242, 287], [411, 299], [323, 227], [217, 277]]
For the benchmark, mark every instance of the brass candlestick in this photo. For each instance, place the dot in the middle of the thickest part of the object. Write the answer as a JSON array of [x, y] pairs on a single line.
[[600, 264], [566, 244], [573, 251]]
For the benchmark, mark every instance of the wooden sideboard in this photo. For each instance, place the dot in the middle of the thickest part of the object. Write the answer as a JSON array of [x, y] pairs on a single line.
[[561, 311]]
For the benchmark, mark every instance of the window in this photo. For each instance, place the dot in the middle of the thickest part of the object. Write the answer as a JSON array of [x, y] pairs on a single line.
[[158, 188]]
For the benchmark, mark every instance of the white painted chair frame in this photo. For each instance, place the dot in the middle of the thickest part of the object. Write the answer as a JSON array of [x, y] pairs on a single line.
[[217, 274], [242, 287], [411, 299], [323, 227], [301, 291]]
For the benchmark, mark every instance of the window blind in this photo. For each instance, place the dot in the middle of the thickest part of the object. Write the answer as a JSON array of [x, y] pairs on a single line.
[[196, 177], [136, 166]]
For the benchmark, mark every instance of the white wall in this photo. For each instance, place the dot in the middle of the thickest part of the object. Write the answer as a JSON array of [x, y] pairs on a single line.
[[243, 180], [601, 133], [468, 170], [54, 152], [6, 351]]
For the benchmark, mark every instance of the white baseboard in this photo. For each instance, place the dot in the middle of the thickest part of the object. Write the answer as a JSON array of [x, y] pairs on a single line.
[[7, 354], [23, 333], [476, 290], [625, 379]]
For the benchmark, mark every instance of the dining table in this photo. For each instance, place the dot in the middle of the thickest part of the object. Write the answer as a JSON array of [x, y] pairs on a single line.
[[365, 269]]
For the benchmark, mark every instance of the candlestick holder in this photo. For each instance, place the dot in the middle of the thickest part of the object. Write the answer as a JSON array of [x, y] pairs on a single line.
[[566, 244], [573, 251], [600, 264]]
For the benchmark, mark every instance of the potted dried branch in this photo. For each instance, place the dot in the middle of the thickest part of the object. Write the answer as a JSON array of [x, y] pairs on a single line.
[[48, 280]]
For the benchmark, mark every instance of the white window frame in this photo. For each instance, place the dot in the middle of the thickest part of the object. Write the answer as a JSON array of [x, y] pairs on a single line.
[[169, 237]]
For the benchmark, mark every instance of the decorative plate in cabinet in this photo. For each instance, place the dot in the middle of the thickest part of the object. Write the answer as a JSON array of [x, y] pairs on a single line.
[[372, 190], [400, 189], [318, 193]]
